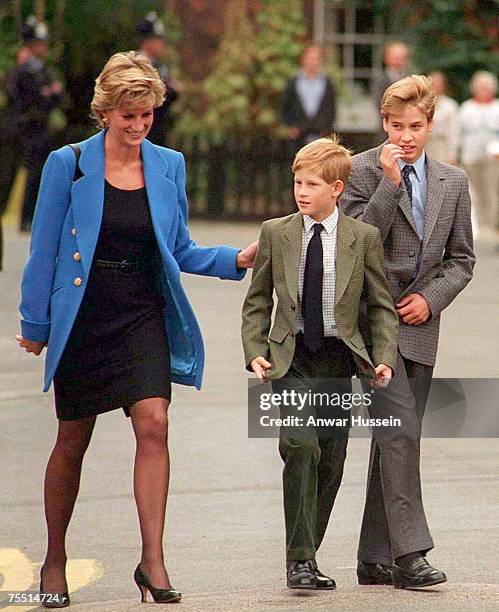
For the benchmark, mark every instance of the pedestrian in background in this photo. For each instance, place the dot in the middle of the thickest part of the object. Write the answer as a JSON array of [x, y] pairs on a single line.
[[102, 290], [396, 56], [443, 140], [309, 100], [479, 128], [10, 139], [35, 94], [152, 42]]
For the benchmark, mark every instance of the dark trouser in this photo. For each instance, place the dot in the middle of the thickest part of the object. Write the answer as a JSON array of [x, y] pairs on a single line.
[[313, 464], [394, 522], [36, 150]]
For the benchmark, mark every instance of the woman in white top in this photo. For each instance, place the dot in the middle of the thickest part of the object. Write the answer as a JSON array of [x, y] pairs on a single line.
[[479, 128], [443, 141]]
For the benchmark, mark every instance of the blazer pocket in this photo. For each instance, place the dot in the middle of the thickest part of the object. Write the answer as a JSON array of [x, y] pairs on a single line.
[[443, 220], [278, 335], [55, 289]]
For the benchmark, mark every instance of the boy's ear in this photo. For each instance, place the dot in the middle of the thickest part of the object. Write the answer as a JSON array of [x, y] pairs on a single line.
[[431, 124], [385, 124], [338, 187]]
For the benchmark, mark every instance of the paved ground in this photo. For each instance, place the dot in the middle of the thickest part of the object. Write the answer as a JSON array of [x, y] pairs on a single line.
[[224, 536]]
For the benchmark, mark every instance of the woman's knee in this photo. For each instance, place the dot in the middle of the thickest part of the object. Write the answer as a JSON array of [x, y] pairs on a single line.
[[73, 439], [151, 424]]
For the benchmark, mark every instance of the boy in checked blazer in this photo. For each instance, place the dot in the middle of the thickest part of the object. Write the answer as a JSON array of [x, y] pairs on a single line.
[[422, 210], [318, 262]]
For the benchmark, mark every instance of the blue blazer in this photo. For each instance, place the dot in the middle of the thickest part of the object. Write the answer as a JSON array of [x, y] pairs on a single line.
[[64, 235]]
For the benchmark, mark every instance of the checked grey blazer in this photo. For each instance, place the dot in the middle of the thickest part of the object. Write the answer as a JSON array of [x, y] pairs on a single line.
[[447, 257]]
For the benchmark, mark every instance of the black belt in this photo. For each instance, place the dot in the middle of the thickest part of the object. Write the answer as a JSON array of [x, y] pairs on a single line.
[[134, 265]]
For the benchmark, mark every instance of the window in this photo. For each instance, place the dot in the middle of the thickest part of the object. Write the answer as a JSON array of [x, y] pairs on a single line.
[[353, 35]]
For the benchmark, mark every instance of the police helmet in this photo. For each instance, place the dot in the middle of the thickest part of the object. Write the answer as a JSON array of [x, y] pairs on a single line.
[[34, 30], [151, 27]]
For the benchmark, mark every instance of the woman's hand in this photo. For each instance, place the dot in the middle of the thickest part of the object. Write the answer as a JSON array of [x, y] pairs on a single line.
[[30, 346], [246, 257]]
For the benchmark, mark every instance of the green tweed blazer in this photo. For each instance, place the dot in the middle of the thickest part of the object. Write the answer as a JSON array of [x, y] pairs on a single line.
[[359, 267]]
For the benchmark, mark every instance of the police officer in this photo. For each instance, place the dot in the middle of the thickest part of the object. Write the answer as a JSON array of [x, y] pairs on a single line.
[[35, 94], [10, 139], [152, 41]]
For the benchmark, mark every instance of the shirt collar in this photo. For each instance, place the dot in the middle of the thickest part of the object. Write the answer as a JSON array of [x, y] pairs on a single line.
[[329, 223], [419, 166], [303, 76]]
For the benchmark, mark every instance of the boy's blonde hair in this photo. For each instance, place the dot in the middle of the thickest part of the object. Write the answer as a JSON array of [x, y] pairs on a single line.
[[327, 158], [127, 80], [415, 90]]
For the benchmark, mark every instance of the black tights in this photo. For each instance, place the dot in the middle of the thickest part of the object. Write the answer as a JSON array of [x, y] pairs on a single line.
[[151, 478]]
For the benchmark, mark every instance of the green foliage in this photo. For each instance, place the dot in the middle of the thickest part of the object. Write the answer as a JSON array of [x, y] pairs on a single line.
[[90, 33], [253, 62]]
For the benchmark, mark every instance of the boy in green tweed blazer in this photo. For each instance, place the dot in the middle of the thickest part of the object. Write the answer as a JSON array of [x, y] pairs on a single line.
[[319, 263]]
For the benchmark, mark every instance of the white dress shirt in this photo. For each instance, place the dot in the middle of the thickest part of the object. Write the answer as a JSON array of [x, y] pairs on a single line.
[[328, 239]]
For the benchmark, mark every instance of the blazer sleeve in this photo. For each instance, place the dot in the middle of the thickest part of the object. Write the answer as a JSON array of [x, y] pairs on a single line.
[[381, 314], [329, 107], [258, 305], [206, 261], [459, 259], [288, 104], [53, 200]]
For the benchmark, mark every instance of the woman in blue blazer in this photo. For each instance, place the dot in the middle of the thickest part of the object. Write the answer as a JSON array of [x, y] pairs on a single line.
[[102, 291]]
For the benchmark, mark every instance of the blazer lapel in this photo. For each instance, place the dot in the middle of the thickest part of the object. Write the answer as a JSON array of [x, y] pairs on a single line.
[[345, 256], [87, 198], [161, 194], [434, 197], [291, 254]]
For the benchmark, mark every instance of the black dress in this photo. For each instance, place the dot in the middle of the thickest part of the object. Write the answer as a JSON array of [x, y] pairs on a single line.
[[117, 352]]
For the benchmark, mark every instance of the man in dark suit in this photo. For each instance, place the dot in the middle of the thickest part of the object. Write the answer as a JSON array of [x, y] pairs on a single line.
[[309, 101], [422, 209]]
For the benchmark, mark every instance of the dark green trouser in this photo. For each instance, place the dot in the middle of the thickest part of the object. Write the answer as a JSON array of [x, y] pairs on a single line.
[[313, 462]]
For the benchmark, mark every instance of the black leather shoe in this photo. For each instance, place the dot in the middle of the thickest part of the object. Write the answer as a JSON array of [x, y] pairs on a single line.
[[374, 573], [306, 575], [159, 595], [419, 573], [53, 600]]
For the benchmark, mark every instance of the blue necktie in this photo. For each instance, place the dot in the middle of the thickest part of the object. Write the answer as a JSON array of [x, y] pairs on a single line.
[[313, 321], [417, 214], [406, 171]]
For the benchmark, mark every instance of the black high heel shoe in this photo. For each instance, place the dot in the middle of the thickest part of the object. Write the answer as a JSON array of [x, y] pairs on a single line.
[[53, 600], [159, 595]]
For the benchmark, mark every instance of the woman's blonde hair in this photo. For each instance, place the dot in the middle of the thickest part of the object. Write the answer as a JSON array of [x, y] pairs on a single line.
[[415, 90], [128, 80], [326, 158]]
